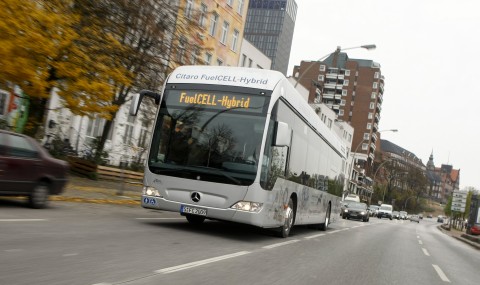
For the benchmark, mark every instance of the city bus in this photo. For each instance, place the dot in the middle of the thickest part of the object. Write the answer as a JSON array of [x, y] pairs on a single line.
[[241, 145]]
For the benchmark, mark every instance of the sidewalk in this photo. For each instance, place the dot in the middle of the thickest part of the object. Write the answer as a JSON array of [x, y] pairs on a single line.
[[473, 241], [84, 190]]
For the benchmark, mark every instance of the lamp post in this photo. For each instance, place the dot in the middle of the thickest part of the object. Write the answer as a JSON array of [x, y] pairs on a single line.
[[375, 175], [338, 50], [405, 206]]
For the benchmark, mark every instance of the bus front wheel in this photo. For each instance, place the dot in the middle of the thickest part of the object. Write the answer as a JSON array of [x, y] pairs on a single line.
[[284, 230], [195, 220]]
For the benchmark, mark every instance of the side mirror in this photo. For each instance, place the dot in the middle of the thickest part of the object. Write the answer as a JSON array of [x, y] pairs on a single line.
[[283, 134], [137, 100]]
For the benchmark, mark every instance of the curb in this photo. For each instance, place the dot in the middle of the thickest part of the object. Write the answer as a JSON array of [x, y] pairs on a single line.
[[464, 240]]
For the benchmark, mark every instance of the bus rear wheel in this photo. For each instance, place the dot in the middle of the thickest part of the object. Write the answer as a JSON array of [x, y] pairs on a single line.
[[195, 220], [324, 226]]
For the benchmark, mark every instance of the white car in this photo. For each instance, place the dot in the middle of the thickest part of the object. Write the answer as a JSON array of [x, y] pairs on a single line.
[[385, 211]]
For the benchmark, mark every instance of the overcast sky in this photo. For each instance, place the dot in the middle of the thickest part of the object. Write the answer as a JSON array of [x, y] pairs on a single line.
[[429, 54]]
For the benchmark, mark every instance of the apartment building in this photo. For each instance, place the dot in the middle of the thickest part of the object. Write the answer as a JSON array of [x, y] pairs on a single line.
[[353, 89]]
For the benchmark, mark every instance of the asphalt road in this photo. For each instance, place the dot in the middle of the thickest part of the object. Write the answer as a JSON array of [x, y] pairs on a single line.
[[86, 244]]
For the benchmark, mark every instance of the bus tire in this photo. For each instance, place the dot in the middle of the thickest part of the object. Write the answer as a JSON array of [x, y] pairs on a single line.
[[195, 220], [284, 230], [324, 226]]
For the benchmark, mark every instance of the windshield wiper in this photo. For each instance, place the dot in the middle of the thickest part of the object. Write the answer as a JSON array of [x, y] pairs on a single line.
[[217, 171]]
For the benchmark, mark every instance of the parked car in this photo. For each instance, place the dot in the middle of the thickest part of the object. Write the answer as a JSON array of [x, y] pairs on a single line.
[[385, 211], [429, 216], [356, 210], [27, 169], [440, 219], [473, 229], [415, 218], [403, 215], [344, 206]]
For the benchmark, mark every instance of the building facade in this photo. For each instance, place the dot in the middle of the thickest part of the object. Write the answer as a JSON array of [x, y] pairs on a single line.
[[443, 180], [269, 27]]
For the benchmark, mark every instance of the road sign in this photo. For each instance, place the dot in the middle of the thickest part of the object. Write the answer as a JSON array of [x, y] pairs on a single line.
[[458, 209], [459, 200], [457, 194]]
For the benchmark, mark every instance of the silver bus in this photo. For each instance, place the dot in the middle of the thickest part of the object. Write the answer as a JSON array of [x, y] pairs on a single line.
[[241, 145]]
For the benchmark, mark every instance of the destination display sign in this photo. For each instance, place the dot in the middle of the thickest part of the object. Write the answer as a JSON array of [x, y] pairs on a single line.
[[217, 100]]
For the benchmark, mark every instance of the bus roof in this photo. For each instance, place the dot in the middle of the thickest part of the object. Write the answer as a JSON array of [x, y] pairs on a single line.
[[225, 75]]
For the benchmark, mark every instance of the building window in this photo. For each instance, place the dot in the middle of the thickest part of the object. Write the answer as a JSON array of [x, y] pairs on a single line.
[[202, 21], [240, 7], [244, 60], [369, 126], [235, 40], [347, 72], [208, 58], [374, 95], [340, 112], [320, 78], [223, 37], [344, 92], [322, 67], [366, 136], [345, 82], [181, 50], [127, 137], [3, 102], [343, 102], [219, 62], [230, 3], [250, 62], [377, 75], [372, 105], [188, 9], [329, 123], [364, 146], [194, 55], [370, 115], [375, 85], [213, 24]]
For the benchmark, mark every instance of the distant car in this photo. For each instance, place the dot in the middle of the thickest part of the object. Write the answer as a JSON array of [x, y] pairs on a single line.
[[429, 216], [440, 219], [27, 169], [403, 215], [415, 218], [352, 197], [373, 210], [385, 211], [343, 206], [396, 215], [356, 210], [420, 216]]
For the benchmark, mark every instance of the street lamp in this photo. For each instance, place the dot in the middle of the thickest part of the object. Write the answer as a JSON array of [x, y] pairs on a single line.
[[405, 206], [338, 50]]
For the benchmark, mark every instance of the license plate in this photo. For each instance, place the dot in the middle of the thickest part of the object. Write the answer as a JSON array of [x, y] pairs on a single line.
[[193, 210]]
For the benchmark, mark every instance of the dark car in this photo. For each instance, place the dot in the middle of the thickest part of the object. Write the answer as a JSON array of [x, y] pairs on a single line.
[[27, 169], [356, 210]]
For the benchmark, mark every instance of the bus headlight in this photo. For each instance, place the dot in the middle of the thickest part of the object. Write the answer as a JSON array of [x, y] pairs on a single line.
[[362, 213], [248, 206], [346, 211], [150, 191]]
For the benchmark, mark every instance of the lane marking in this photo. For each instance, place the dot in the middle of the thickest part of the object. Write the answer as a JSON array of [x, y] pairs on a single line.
[[200, 262], [418, 236], [69, 254], [420, 242], [440, 273], [160, 218], [23, 220], [425, 252], [280, 244], [14, 250], [336, 231], [314, 236]]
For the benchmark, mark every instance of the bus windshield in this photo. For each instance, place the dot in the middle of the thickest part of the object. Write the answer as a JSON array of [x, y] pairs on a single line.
[[209, 135]]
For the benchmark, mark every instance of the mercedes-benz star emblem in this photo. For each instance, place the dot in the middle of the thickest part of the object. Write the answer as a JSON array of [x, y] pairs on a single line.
[[195, 196]]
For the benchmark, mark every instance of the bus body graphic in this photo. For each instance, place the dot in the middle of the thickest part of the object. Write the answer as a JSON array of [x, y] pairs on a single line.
[[240, 144]]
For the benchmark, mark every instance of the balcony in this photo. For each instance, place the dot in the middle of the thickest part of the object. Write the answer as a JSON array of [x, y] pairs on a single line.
[[374, 137], [336, 107], [373, 146], [338, 96], [377, 118], [339, 86], [328, 96], [331, 76], [330, 85], [341, 76]]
